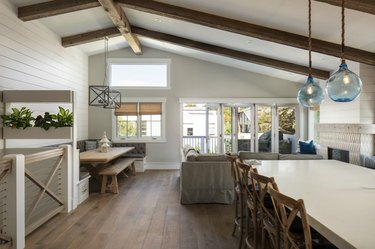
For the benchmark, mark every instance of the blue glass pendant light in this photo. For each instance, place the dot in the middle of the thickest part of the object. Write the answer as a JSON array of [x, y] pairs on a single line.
[[311, 94], [343, 85]]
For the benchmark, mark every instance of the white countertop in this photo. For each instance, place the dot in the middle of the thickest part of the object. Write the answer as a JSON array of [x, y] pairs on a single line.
[[339, 197]]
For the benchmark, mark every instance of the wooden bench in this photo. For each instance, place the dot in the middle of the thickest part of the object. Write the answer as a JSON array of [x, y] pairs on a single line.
[[113, 170]]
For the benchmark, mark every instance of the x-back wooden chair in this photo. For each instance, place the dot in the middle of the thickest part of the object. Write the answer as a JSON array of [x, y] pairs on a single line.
[[237, 217], [267, 219], [249, 209], [287, 211]]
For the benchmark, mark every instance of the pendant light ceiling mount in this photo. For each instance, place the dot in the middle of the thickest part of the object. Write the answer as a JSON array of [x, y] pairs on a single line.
[[103, 95], [311, 94], [343, 85]]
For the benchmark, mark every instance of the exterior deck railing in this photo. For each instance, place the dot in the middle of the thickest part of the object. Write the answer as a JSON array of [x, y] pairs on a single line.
[[199, 143]]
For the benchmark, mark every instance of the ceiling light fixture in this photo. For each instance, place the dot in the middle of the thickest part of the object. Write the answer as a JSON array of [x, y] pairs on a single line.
[[343, 85], [311, 94], [103, 95]]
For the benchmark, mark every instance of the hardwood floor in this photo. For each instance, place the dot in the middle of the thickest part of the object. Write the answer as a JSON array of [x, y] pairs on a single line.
[[146, 214]]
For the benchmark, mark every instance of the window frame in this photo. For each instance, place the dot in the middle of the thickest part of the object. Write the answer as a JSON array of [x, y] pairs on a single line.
[[139, 137], [140, 61]]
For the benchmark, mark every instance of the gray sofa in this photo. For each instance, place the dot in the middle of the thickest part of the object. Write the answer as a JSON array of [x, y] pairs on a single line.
[[246, 155], [205, 178]]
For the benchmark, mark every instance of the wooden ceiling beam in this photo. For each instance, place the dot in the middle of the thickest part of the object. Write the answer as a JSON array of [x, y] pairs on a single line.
[[119, 19], [247, 29], [52, 8], [367, 6], [92, 36], [238, 55], [230, 53]]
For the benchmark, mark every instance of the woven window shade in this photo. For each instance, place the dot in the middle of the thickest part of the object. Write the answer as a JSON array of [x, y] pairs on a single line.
[[149, 108], [127, 109]]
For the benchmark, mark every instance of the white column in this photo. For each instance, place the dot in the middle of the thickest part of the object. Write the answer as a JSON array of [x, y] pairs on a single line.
[[15, 185], [68, 184]]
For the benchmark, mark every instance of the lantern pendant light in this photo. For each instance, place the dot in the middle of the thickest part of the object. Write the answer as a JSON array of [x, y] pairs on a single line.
[[103, 95], [311, 94], [343, 85]]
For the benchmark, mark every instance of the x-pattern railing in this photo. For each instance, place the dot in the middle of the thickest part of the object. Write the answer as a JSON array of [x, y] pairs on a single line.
[[5, 167], [43, 185]]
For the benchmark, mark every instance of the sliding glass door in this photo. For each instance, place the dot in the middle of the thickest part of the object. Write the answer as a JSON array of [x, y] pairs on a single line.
[[265, 135], [287, 129], [213, 129], [222, 128], [201, 127]]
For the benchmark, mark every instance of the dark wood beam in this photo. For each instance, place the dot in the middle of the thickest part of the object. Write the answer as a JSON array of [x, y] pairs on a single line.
[[119, 19], [92, 36], [52, 8], [248, 29], [234, 54], [238, 55], [367, 6]]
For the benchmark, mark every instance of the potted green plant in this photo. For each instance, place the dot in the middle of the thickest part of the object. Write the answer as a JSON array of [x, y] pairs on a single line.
[[64, 118], [47, 121], [19, 118]]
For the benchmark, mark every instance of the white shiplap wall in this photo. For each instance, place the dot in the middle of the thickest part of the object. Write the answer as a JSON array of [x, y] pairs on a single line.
[[32, 58], [367, 74]]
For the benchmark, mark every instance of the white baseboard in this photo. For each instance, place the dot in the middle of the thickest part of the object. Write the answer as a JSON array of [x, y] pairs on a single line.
[[162, 165]]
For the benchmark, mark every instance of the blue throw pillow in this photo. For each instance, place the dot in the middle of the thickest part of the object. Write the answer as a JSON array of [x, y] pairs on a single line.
[[307, 147]]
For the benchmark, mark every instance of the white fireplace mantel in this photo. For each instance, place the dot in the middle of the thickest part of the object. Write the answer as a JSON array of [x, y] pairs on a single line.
[[346, 128]]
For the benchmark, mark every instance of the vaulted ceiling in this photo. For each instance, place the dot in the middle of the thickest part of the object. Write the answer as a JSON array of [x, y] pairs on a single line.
[[268, 36]]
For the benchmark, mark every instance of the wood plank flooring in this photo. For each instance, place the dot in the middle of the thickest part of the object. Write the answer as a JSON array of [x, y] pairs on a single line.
[[146, 214]]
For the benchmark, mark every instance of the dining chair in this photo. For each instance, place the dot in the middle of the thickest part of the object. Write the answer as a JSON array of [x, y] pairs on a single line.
[[266, 213], [248, 206], [237, 216], [293, 223], [289, 211]]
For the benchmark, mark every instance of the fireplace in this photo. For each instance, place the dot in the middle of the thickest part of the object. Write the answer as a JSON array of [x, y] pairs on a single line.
[[338, 154]]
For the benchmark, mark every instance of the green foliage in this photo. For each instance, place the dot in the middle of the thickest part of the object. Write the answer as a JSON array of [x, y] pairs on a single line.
[[45, 121], [264, 119], [19, 118], [287, 119], [127, 128], [227, 120], [64, 118]]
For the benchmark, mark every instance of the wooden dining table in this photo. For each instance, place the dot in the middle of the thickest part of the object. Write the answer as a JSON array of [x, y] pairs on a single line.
[[95, 160], [339, 197], [97, 157]]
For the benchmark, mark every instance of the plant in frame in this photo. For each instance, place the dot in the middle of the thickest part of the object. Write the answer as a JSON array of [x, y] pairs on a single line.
[[19, 118]]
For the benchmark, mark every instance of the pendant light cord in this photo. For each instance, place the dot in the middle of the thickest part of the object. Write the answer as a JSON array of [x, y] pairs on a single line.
[[310, 61], [105, 60], [342, 31]]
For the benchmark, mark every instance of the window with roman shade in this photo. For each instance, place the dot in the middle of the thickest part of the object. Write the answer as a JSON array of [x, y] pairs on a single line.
[[139, 120]]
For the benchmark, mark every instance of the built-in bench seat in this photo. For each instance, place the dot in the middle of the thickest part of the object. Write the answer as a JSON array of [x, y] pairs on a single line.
[[112, 171]]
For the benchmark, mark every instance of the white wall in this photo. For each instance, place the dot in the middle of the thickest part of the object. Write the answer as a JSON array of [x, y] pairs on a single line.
[[190, 78], [32, 58]]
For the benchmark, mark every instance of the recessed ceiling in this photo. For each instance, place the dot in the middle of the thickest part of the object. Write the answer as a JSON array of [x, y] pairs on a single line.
[[286, 15]]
